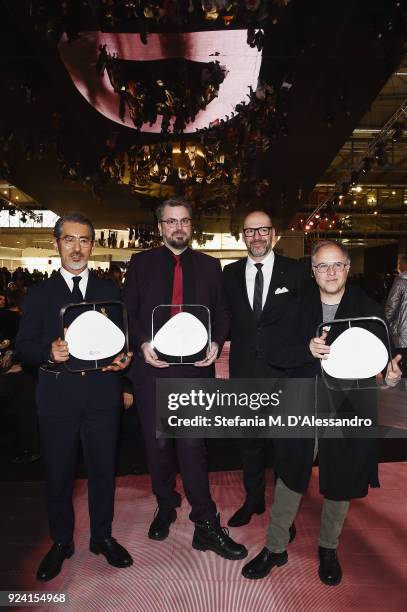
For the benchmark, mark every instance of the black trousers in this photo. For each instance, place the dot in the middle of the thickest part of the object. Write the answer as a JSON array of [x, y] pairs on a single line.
[[162, 455], [74, 409], [253, 453]]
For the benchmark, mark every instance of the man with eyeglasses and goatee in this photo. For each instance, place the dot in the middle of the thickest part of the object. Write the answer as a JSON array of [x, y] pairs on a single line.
[[80, 407], [176, 274], [258, 290], [348, 465]]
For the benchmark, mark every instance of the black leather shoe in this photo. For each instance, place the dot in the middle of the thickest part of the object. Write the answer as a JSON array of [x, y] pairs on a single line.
[[293, 532], [261, 566], [160, 527], [245, 513], [209, 535], [51, 564], [115, 554], [330, 571]]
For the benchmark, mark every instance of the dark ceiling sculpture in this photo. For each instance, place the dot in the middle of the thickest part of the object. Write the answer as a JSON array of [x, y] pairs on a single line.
[[322, 64]]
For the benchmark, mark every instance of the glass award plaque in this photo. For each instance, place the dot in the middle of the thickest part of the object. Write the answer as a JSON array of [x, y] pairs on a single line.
[[181, 333], [95, 332], [357, 354]]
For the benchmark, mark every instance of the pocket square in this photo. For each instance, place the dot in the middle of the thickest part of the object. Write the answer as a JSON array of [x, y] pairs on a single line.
[[281, 290]]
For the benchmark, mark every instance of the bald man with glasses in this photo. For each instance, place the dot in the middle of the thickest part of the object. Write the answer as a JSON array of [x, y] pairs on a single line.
[[258, 290], [348, 465]]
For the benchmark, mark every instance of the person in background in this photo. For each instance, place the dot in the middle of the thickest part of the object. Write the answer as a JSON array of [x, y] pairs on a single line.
[[396, 312]]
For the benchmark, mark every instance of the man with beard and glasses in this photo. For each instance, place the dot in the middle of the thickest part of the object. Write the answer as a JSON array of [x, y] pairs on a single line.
[[73, 407], [258, 290], [176, 274]]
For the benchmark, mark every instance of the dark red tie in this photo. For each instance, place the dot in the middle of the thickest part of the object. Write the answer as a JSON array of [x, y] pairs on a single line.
[[177, 288]]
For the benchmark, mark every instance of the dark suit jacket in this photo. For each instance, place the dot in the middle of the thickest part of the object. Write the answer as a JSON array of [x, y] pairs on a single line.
[[146, 287], [247, 335], [40, 323], [347, 466]]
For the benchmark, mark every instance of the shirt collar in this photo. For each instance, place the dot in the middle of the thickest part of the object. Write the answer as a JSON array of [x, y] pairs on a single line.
[[184, 254], [68, 276], [267, 261]]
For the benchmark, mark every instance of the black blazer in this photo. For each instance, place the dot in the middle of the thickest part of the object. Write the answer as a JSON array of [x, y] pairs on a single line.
[[347, 466], [40, 323], [247, 335], [146, 286]]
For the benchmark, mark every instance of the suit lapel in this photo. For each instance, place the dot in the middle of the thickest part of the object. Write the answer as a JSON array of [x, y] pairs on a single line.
[[276, 282], [62, 286], [242, 284], [90, 288]]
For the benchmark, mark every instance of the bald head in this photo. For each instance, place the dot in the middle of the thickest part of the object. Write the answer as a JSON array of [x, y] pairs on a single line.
[[258, 234]]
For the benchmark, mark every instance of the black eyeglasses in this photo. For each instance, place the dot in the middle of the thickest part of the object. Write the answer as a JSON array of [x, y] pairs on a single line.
[[173, 222], [262, 231]]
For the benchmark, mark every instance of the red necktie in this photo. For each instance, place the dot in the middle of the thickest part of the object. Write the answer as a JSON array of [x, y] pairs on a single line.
[[177, 288]]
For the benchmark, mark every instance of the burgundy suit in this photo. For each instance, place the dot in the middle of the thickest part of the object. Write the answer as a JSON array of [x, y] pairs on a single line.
[[148, 284]]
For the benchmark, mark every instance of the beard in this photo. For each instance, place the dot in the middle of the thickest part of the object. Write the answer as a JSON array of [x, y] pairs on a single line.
[[77, 264], [179, 242], [259, 250]]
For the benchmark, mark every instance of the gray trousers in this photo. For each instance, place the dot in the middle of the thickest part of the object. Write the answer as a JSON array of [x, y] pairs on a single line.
[[283, 512]]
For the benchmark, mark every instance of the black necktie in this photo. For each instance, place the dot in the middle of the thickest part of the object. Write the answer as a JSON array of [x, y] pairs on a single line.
[[76, 292], [258, 292]]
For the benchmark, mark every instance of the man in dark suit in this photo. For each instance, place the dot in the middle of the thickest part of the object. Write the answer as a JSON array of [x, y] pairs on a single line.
[[72, 407], [258, 290], [176, 274]]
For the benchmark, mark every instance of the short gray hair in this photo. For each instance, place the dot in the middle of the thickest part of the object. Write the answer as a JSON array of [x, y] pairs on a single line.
[[175, 201], [325, 243], [73, 218]]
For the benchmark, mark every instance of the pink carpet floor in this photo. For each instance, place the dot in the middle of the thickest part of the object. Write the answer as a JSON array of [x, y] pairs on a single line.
[[170, 576]]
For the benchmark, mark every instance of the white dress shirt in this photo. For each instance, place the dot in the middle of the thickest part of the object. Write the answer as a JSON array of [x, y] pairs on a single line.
[[251, 271], [83, 283]]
